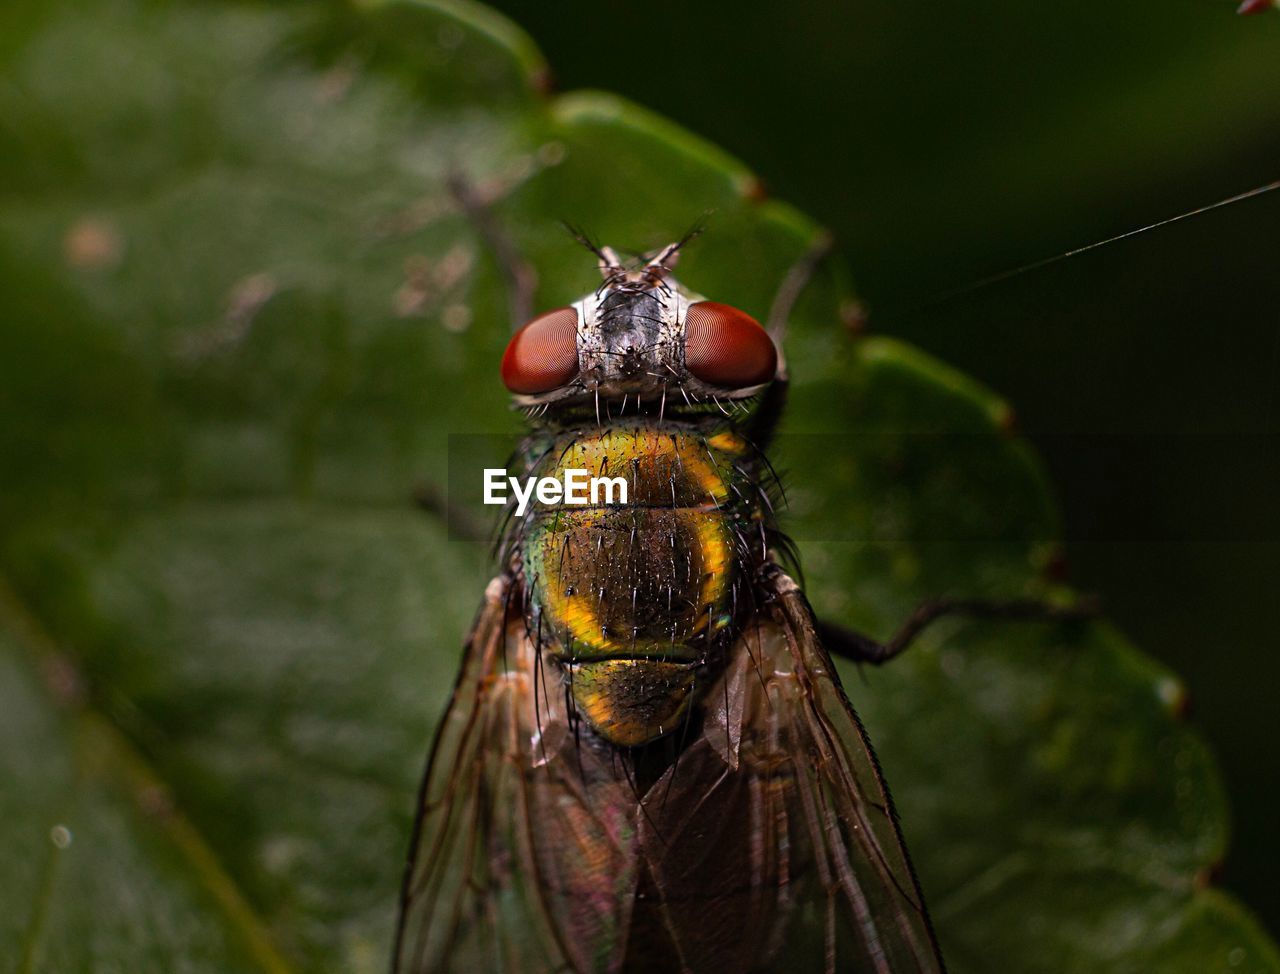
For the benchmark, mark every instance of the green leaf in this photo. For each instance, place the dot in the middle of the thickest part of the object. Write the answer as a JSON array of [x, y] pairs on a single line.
[[243, 321]]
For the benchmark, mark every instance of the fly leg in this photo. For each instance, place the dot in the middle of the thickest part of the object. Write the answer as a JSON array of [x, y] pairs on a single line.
[[517, 273], [797, 278], [765, 418], [861, 648]]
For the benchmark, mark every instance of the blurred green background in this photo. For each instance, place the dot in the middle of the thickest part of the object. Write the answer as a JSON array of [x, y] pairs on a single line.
[[239, 310], [944, 143]]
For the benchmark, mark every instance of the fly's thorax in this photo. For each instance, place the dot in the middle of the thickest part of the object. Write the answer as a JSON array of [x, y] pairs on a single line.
[[635, 599]]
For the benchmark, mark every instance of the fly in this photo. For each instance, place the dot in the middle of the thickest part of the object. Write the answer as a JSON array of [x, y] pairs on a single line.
[[648, 762]]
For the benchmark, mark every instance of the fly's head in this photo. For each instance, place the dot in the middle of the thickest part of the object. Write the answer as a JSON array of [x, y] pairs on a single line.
[[638, 337]]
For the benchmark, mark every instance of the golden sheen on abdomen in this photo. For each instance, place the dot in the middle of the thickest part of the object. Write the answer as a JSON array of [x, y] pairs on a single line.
[[631, 599]]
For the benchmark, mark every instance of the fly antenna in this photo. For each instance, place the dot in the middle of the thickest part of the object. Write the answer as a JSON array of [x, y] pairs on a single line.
[[610, 265], [665, 259], [697, 228]]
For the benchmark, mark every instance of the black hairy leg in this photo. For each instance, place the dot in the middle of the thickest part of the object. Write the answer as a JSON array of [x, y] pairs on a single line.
[[856, 646]]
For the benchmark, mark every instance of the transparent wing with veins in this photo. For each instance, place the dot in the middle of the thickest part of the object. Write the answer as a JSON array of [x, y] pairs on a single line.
[[770, 844]]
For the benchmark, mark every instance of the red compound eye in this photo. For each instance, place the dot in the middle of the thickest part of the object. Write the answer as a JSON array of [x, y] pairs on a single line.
[[726, 347], [543, 355]]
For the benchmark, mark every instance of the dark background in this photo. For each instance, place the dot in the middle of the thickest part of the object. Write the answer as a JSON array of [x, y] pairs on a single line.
[[947, 143]]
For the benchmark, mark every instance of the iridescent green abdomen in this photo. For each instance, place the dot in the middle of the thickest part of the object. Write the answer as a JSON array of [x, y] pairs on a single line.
[[635, 600]]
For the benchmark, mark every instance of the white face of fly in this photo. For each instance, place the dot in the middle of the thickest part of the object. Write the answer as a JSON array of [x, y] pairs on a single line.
[[631, 337], [641, 337]]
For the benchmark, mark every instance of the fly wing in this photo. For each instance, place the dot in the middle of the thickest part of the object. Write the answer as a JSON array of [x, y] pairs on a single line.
[[772, 844], [508, 835], [870, 899], [457, 895]]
